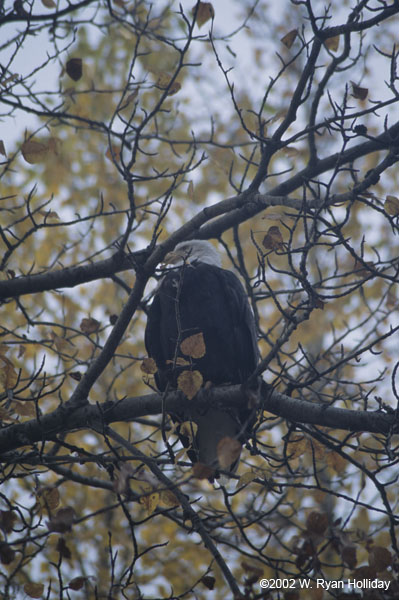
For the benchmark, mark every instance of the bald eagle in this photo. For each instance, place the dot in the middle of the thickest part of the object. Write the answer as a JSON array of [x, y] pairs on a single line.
[[199, 296]]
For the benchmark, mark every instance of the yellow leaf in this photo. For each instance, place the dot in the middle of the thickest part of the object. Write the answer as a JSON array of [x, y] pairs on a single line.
[[150, 502], [289, 38], [8, 375], [205, 11], [189, 382], [194, 346], [34, 590], [391, 205], [149, 366], [188, 429], [168, 499], [246, 478], [34, 152]]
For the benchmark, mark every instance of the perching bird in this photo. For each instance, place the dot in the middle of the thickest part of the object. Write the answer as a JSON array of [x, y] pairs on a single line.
[[198, 296]]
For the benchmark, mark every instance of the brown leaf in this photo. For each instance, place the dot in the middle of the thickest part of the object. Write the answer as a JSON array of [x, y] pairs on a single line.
[[360, 93], [74, 68], [2, 148], [77, 583], [273, 239], [317, 522], [201, 471], [379, 558], [49, 3], [24, 409], [62, 521], [190, 382], [289, 38], [332, 43], [168, 499], [76, 375], [34, 590], [63, 549], [49, 497], [194, 346], [228, 451], [164, 83], [8, 375], [208, 581], [149, 366], [348, 554], [391, 205], [205, 12], [7, 520], [7, 554], [113, 153], [34, 152], [89, 325]]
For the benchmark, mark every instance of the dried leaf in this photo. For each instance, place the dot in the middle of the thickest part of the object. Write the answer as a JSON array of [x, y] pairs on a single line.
[[2, 148], [49, 497], [149, 366], [34, 590], [113, 154], [62, 521], [391, 205], [76, 375], [77, 583], [164, 83], [7, 554], [208, 581], [190, 190], [49, 3], [201, 471], [8, 375], [289, 38], [348, 554], [273, 239], [25, 409], [34, 152], [89, 325], [189, 382], [205, 11], [379, 558], [7, 520], [360, 93], [194, 346], [317, 522], [74, 68], [63, 548], [332, 43], [228, 451]]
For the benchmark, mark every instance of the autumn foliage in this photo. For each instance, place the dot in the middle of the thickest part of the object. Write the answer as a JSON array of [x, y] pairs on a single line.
[[272, 130]]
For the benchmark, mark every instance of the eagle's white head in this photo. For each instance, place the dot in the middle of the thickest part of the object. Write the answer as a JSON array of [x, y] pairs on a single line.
[[192, 250]]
